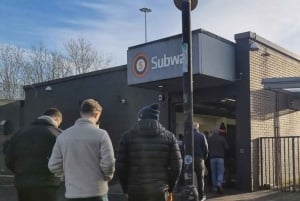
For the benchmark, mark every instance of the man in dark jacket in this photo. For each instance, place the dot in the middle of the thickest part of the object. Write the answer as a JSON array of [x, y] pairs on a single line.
[[200, 155], [148, 161], [27, 157], [217, 150]]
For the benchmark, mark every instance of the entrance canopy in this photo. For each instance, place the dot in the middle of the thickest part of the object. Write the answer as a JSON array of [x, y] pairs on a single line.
[[286, 85], [159, 64]]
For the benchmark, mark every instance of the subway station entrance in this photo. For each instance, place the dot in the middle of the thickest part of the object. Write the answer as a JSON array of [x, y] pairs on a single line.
[[158, 66], [209, 115]]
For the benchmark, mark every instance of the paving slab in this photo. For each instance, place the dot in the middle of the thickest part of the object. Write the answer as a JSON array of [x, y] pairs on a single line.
[[8, 193]]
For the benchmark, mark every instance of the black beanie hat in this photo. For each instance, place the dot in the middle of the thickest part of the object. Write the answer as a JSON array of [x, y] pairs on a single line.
[[149, 112]]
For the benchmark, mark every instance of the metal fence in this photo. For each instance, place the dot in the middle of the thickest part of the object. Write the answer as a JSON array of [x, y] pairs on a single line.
[[279, 163]]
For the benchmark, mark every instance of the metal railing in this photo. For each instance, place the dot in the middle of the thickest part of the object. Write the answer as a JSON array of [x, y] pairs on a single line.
[[279, 163]]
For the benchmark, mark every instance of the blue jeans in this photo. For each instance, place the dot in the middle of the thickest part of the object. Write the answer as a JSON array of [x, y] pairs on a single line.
[[100, 198], [217, 171]]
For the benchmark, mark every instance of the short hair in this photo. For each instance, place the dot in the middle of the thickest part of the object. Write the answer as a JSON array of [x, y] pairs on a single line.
[[195, 125], [53, 112], [90, 106]]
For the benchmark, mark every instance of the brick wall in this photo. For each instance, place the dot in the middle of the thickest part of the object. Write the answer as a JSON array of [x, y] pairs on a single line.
[[268, 63], [262, 103]]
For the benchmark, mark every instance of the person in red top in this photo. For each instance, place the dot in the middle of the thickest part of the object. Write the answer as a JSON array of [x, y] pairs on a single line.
[[223, 130]]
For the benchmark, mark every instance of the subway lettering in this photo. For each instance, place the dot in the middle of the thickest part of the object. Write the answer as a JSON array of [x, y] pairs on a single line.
[[166, 61]]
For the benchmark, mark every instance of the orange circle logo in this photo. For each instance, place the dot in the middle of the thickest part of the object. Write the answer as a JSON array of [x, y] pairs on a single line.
[[140, 65]]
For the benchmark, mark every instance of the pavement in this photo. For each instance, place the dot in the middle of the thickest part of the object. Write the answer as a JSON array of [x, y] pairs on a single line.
[[115, 194], [8, 193]]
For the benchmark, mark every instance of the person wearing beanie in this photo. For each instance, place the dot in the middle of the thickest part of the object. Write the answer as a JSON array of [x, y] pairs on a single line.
[[217, 151], [149, 112], [27, 155], [222, 129], [148, 160]]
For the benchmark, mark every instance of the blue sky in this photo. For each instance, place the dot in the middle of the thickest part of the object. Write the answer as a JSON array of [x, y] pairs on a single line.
[[114, 25]]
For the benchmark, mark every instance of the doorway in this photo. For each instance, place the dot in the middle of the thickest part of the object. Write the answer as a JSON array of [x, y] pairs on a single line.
[[207, 123]]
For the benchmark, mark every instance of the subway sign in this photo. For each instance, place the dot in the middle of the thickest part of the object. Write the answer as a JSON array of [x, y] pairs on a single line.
[[163, 59], [155, 61], [141, 63]]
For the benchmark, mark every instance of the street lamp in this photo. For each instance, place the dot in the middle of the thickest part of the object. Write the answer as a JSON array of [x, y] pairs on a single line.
[[145, 10], [190, 191]]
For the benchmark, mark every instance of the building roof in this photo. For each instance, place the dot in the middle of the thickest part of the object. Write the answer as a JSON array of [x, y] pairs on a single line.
[[253, 36], [75, 77]]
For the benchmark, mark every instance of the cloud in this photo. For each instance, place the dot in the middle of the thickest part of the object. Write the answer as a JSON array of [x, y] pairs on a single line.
[[113, 26], [272, 19], [120, 29]]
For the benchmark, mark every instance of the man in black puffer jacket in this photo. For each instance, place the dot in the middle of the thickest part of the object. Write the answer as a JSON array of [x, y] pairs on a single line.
[[27, 156], [148, 161]]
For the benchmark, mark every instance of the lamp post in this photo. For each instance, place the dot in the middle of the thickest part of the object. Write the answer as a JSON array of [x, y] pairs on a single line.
[[190, 191], [145, 10]]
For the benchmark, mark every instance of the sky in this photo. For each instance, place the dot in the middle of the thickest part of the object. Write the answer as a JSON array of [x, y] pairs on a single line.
[[111, 26]]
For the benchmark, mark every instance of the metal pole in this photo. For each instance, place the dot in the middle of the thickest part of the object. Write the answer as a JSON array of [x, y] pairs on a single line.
[[145, 10], [145, 27], [190, 192], [188, 89]]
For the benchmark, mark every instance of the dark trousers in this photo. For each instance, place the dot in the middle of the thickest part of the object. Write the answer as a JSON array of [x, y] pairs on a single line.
[[199, 167], [37, 193], [208, 181], [155, 196], [101, 198]]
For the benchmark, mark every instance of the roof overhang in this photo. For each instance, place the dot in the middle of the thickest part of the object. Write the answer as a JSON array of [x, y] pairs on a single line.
[[286, 85], [176, 84], [163, 62]]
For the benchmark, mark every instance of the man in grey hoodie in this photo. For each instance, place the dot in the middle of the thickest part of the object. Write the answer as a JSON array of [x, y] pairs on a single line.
[[83, 155]]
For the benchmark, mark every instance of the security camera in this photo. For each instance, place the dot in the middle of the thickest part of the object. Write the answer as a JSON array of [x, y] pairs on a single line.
[[122, 100], [161, 97], [48, 88]]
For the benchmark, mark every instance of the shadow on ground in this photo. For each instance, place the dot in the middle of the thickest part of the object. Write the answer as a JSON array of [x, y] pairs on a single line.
[[8, 193]]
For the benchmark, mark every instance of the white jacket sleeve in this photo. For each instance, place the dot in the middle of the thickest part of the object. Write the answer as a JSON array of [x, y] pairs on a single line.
[[107, 162], [55, 163]]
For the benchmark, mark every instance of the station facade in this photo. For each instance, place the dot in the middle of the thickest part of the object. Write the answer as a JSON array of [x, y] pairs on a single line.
[[231, 85]]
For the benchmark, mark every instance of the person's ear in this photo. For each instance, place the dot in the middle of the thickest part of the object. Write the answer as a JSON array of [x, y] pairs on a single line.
[[58, 121], [97, 115]]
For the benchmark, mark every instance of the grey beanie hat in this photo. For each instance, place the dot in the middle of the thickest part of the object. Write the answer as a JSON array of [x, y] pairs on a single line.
[[149, 112]]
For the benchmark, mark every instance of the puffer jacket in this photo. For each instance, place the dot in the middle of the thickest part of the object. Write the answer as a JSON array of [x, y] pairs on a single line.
[[28, 153], [148, 159]]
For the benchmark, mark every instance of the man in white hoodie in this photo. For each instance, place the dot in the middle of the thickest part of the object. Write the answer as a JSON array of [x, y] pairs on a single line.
[[83, 155]]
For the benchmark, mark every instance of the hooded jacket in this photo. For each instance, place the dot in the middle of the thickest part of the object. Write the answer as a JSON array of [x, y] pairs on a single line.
[[217, 145], [148, 158], [200, 145], [28, 152]]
